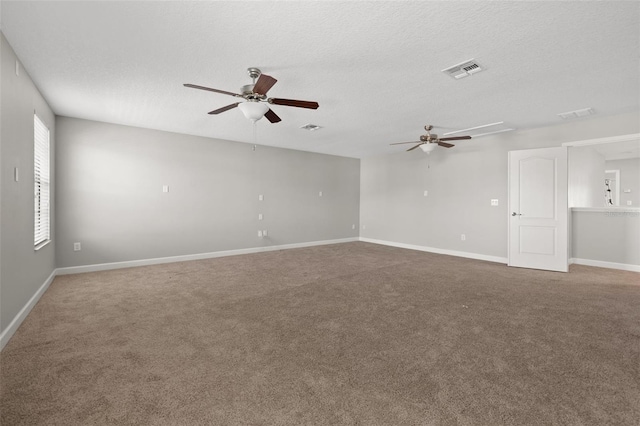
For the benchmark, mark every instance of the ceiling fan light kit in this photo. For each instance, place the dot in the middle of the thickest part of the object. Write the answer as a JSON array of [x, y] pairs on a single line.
[[253, 110], [428, 147]]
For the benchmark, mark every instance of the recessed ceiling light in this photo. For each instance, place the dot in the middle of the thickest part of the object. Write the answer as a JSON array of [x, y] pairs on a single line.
[[311, 127]]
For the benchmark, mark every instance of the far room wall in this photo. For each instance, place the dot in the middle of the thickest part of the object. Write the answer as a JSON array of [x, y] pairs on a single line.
[[460, 182], [110, 195], [586, 177]]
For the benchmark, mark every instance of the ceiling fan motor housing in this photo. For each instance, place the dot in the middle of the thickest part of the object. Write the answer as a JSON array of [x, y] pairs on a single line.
[[247, 89], [248, 94]]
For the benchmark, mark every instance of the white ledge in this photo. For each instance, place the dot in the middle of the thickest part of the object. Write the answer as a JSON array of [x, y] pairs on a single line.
[[612, 209]]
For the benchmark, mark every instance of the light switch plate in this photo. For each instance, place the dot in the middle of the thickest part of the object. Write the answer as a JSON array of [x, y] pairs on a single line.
[[494, 202]]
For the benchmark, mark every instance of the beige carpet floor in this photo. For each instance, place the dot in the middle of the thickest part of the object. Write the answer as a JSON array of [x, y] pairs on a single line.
[[345, 334]]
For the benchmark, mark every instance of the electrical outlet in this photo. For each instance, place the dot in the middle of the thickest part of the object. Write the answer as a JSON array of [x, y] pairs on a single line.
[[165, 188], [259, 234], [463, 237], [260, 197], [77, 247], [353, 226], [320, 194], [264, 233], [494, 202], [629, 202], [259, 216], [426, 193]]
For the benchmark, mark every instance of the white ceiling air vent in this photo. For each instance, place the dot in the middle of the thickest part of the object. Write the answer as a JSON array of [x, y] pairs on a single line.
[[311, 127], [463, 69], [577, 113]]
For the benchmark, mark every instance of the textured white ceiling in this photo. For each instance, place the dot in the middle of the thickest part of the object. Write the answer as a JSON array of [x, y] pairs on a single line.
[[374, 67]]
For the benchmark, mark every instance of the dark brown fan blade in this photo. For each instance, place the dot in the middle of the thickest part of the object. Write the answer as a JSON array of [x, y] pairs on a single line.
[[195, 86], [446, 145], [455, 138], [223, 109], [264, 83], [411, 149], [272, 116], [400, 143], [294, 103]]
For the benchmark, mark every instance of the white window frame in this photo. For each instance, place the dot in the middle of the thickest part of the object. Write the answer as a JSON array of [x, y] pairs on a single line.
[[42, 183]]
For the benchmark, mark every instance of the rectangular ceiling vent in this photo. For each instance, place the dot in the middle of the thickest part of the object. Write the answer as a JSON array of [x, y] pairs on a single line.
[[577, 113], [463, 69]]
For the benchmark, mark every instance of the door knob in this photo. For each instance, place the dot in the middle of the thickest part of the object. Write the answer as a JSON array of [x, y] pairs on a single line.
[[516, 214]]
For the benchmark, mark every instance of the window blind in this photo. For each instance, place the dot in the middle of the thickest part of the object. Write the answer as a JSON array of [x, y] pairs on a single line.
[[42, 223]]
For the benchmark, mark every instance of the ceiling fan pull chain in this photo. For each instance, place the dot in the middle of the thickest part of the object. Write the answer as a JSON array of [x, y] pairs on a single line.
[[255, 133]]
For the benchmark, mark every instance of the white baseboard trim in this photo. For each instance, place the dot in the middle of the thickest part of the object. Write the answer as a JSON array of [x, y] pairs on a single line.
[[603, 264], [6, 335], [199, 256], [8, 332], [437, 250]]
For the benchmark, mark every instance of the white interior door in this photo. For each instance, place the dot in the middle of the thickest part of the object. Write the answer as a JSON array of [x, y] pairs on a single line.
[[538, 209]]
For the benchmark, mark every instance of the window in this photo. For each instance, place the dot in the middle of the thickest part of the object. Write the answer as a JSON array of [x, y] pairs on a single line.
[[42, 228]]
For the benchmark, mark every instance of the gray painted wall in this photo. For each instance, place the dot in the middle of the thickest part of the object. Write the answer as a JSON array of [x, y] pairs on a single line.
[[22, 270], [461, 182], [110, 199], [608, 236], [586, 178], [629, 179]]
